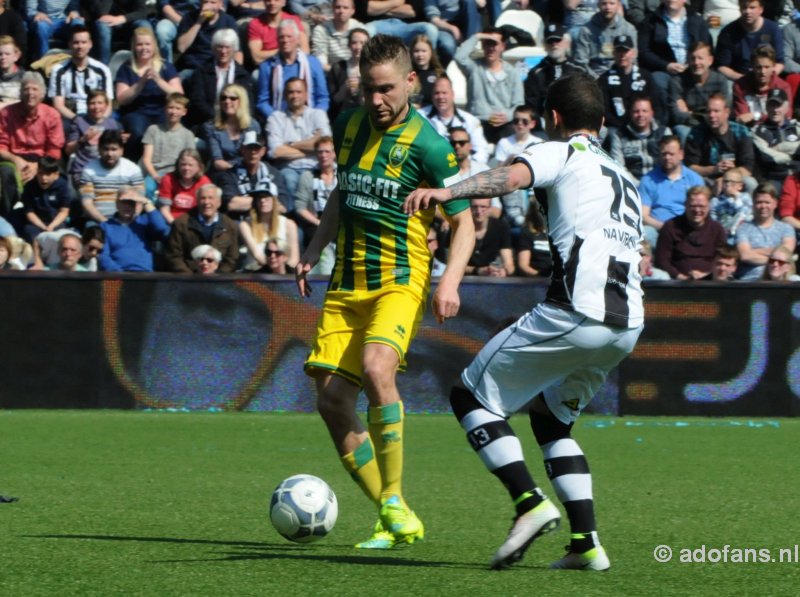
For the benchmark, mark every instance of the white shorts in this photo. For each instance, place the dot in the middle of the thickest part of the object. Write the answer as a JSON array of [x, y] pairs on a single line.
[[563, 354]]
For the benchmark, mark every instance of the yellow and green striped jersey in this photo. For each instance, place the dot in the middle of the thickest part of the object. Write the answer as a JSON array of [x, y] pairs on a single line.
[[377, 244]]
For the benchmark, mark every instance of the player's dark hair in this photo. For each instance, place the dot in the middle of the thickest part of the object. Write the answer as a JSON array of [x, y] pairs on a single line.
[[385, 49], [578, 100], [110, 137], [48, 165]]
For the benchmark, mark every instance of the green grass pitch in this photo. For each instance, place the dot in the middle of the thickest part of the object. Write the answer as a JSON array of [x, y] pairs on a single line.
[[135, 503]]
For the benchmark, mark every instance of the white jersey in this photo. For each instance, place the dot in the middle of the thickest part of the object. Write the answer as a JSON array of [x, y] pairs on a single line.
[[594, 218]]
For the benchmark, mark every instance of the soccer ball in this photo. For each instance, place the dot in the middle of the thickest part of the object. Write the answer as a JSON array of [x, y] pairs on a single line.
[[303, 508]]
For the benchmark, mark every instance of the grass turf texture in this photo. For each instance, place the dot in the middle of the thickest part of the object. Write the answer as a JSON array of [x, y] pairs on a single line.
[[176, 504]]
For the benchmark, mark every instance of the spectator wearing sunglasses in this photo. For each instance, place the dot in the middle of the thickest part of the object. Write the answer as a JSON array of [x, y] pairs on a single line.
[[207, 259], [524, 122], [275, 252]]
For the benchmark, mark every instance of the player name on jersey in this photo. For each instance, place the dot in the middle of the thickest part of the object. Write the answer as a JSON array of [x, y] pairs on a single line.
[[621, 236]]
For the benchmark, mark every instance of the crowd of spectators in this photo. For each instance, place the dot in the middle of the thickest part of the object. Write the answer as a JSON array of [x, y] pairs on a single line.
[[205, 147]]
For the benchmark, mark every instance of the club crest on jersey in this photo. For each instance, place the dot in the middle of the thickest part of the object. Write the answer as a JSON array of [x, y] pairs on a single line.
[[397, 155]]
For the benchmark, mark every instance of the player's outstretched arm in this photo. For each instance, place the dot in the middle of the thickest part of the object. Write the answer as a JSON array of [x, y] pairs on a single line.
[[490, 183], [462, 242], [326, 232]]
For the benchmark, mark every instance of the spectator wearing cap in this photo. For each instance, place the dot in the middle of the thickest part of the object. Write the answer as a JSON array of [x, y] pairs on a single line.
[[555, 65], [623, 82], [206, 259], [594, 46], [266, 223], [665, 37], [494, 87], [776, 139], [750, 91], [203, 225], [252, 172], [131, 233]]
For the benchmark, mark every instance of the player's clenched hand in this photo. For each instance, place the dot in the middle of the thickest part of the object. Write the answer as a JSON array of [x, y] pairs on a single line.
[[301, 271], [445, 301], [422, 198]]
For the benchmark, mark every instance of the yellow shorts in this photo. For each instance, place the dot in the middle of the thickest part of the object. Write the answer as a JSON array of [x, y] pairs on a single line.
[[349, 320]]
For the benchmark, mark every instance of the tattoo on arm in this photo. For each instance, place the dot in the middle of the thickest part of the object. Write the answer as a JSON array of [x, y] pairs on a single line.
[[485, 184]]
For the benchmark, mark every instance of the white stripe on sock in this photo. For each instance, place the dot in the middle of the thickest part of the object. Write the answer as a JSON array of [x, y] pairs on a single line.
[[501, 452], [570, 488], [561, 447]]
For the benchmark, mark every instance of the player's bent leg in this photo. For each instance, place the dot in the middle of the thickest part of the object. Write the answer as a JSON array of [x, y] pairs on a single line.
[[386, 425], [501, 452], [569, 473]]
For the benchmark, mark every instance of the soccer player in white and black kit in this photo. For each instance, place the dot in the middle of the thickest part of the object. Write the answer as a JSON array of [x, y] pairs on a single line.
[[553, 359]]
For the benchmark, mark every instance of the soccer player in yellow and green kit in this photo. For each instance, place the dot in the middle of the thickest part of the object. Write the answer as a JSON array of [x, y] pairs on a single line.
[[378, 288]]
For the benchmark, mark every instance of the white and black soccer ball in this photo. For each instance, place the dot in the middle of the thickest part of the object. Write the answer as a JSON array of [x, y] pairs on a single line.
[[303, 508]]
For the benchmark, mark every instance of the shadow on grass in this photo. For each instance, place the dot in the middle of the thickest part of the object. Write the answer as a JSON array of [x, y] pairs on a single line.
[[270, 551]]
